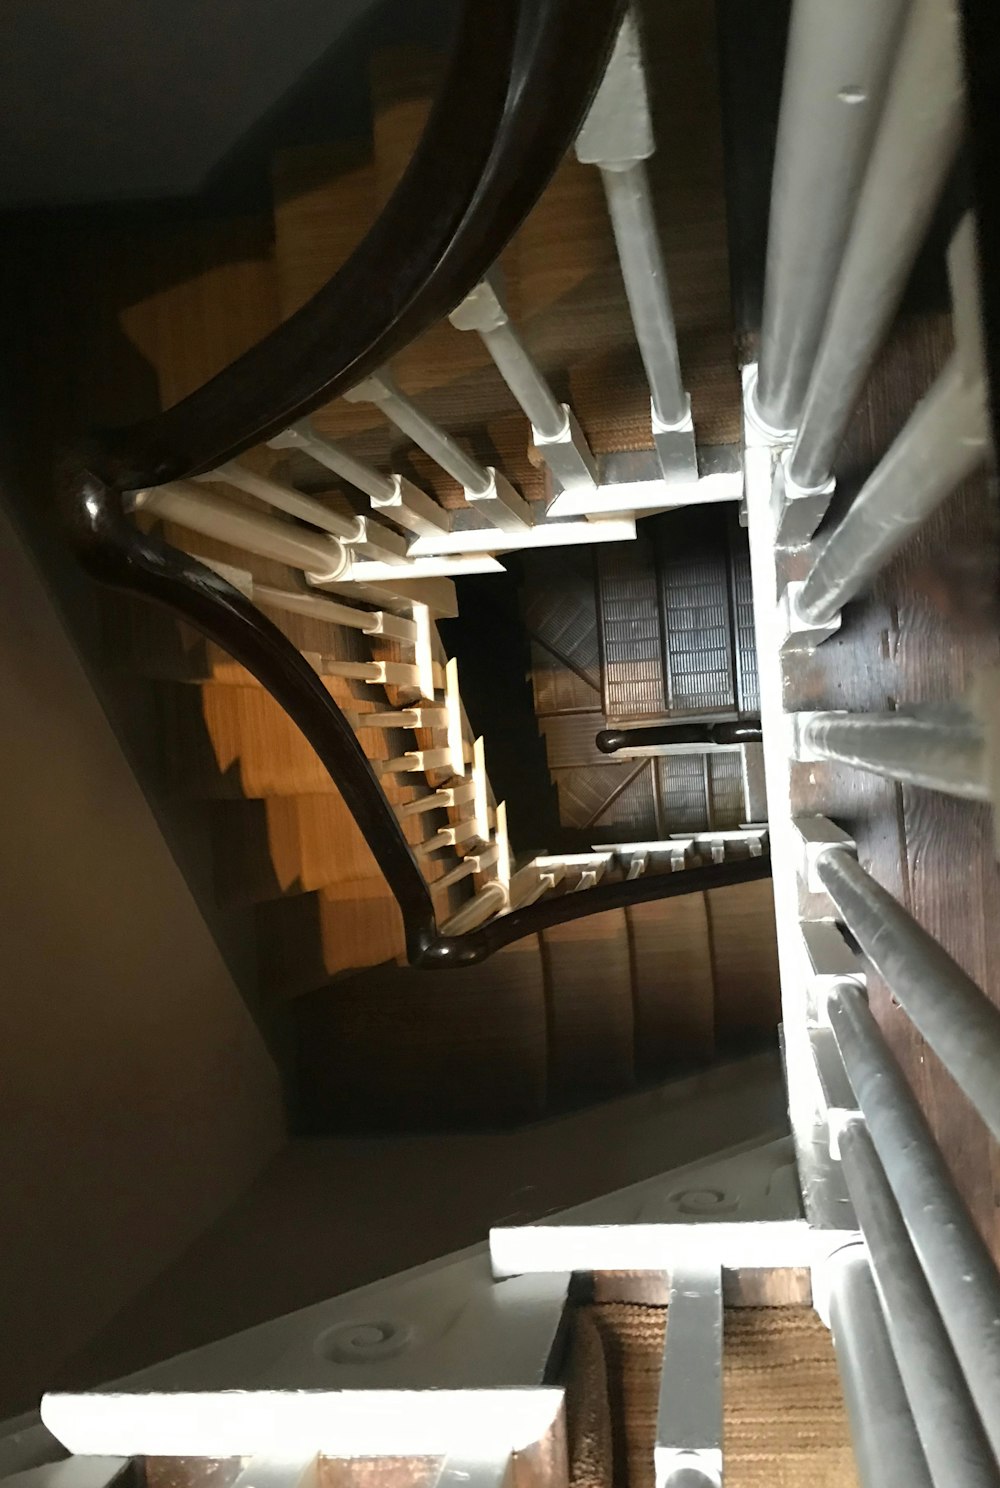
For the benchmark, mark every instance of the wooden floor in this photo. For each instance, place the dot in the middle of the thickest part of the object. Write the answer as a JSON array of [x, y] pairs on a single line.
[[920, 635]]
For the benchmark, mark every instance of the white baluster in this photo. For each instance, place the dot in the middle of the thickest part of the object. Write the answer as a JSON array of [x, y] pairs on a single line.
[[451, 836], [688, 1447], [944, 753], [321, 556], [554, 429], [404, 718], [412, 761], [945, 439], [314, 606], [919, 132], [837, 68], [617, 136], [393, 494], [444, 799], [489, 901], [453, 708], [485, 488], [286, 499], [472, 864]]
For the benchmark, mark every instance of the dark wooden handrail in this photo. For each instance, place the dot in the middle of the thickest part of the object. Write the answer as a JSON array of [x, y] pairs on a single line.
[[734, 731], [116, 553], [520, 79]]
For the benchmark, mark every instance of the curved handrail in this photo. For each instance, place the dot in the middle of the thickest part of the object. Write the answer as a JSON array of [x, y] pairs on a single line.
[[519, 81], [116, 553], [521, 77], [734, 731]]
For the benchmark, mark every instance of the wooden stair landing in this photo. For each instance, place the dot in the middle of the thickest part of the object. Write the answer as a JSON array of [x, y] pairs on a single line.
[[579, 1013]]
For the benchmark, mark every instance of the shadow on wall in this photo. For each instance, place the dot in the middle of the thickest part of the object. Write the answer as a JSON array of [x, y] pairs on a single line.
[[334, 1214], [138, 1098], [156, 101]]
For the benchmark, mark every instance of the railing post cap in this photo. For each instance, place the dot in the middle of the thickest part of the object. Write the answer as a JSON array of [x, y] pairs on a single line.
[[798, 510], [618, 130], [796, 632], [483, 308], [817, 836]]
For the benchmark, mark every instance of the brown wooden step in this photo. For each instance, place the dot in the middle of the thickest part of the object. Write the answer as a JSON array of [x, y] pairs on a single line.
[[305, 941], [226, 740], [590, 1017], [324, 203], [284, 845], [395, 1049]]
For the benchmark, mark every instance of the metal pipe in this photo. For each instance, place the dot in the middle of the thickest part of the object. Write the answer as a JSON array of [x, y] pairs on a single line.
[[837, 69], [956, 1450], [944, 754], [532, 393], [915, 146], [957, 1019], [202, 511], [943, 441], [956, 1263], [887, 1450], [630, 208]]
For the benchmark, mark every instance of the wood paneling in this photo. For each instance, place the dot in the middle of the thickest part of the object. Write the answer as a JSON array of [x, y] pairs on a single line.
[[390, 1048], [672, 983], [590, 1018], [744, 961]]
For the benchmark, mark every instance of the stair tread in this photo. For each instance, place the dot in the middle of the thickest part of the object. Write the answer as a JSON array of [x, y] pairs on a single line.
[[324, 202], [469, 1050]]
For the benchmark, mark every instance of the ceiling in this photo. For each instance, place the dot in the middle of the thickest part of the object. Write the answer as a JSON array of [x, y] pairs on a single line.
[[122, 99]]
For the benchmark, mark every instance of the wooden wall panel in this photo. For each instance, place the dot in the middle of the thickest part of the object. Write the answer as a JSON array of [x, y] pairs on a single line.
[[589, 996], [672, 983], [745, 961]]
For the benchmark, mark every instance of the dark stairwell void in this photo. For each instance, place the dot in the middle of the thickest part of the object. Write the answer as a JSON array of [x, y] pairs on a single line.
[[658, 631], [490, 643]]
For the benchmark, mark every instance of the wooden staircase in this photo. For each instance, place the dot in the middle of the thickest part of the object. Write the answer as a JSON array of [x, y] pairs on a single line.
[[581, 1012], [578, 1012]]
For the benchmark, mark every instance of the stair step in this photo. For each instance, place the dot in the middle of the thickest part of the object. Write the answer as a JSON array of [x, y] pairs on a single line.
[[217, 297], [590, 1015], [324, 202], [286, 845], [398, 1050], [306, 941], [226, 741]]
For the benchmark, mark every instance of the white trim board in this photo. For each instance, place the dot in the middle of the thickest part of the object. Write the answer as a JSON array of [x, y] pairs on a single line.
[[735, 1246]]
